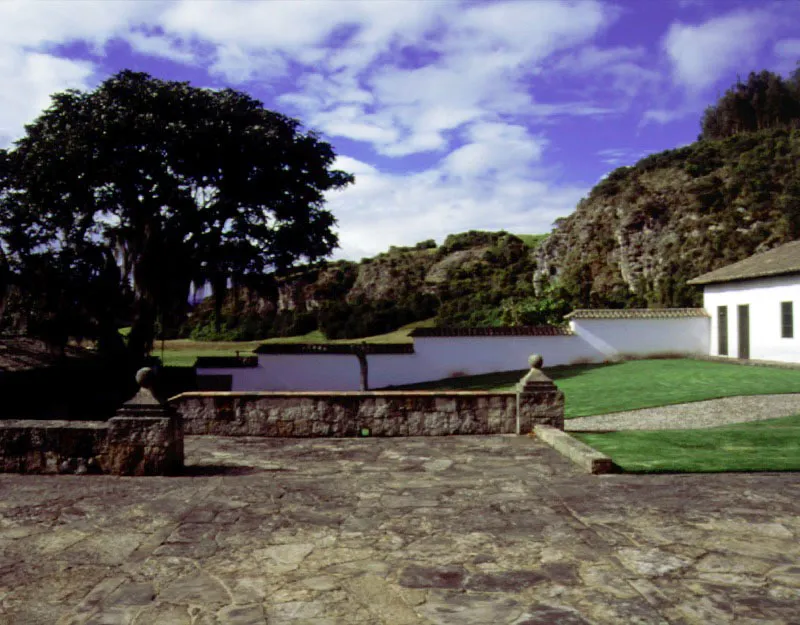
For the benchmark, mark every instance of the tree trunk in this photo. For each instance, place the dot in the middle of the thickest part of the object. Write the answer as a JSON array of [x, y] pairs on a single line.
[[218, 286], [140, 339]]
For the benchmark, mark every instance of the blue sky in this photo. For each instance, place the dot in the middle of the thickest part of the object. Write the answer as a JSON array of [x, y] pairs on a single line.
[[452, 115]]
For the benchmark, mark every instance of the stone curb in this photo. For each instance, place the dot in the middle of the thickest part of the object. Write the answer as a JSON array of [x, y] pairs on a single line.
[[588, 458]]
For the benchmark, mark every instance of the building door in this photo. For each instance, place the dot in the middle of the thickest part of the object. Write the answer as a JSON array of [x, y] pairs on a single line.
[[744, 331], [722, 330]]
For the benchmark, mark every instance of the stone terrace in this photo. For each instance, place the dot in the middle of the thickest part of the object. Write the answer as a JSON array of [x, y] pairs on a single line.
[[450, 530]]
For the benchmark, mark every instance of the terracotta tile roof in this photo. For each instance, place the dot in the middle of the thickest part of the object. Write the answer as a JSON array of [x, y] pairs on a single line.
[[636, 313], [776, 262], [334, 348], [512, 331]]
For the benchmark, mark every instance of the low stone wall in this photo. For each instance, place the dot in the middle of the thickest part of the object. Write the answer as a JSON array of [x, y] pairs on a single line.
[[32, 446], [119, 446], [383, 413], [143, 438]]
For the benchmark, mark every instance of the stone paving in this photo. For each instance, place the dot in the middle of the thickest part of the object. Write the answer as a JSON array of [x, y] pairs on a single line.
[[440, 530]]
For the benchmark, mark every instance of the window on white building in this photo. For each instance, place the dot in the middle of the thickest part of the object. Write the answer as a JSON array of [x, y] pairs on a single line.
[[787, 320], [722, 330]]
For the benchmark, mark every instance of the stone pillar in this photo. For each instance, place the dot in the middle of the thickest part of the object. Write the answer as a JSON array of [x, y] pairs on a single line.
[[145, 437], [539, 402]]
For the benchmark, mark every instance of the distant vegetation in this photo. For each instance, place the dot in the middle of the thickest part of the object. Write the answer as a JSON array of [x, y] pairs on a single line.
[[765, 101], [473, 278]]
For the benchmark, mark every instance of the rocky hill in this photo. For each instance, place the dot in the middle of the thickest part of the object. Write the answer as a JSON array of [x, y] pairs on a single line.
[[647, 229], [464, 281], [635, 241]]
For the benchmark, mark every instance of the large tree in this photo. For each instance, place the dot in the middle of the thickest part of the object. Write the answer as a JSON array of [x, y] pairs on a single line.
[[182, 185]]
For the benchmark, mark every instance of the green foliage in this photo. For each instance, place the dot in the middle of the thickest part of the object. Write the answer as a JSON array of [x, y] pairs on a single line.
[[180, 184], [764, 101], [689, 211], [548, 308], [342, 320], [532, 240]]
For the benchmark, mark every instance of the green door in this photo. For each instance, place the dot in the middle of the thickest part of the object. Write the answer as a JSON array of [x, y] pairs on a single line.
[[744, 331]]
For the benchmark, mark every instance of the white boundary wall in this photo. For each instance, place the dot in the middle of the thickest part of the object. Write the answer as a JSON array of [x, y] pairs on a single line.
[[764, 297], [615, 338], [436, 358]]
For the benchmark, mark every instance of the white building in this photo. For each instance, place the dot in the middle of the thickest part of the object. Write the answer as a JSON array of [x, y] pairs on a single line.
[[752, 305]]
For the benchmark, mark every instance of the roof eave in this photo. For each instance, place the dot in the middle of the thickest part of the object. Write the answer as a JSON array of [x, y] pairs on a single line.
[[700, 281]]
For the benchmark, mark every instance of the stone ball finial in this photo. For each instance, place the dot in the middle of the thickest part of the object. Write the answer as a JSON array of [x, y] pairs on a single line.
[[535, 361], [145, 377]]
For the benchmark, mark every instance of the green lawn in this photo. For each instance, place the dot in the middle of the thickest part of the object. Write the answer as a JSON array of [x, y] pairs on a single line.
[[183, 352], [532, 240], [772, 445], [600, 389]]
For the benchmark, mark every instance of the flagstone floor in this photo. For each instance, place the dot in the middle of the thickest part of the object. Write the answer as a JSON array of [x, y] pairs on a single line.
[[456, 530]]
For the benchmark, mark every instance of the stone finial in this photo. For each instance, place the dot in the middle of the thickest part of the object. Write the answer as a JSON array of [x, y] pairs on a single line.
[[535, 361], [146, 397], [535, 380], [145, 377]]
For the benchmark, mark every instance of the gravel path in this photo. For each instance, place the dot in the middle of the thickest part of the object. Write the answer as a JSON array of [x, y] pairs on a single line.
[[699, 414]]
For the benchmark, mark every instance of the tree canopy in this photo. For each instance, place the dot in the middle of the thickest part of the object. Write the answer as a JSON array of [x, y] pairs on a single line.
[[765, 101], [152, 185]]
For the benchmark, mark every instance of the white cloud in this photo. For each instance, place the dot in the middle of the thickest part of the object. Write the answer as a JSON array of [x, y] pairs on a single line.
[[29, 69], [490, 183], [384, 209], [701, 54], [665, 116], [501, 150], [35, 24], [622, 64], [617, 157], [161, 46], [28, 79], [476, 58]]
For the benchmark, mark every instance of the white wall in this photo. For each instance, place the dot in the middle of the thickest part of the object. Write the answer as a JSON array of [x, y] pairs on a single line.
[[643, 337], [296, 372], [764, 297], [436, 358]]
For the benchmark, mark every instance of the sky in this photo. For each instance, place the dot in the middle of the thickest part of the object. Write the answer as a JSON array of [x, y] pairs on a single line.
[[453, 115]]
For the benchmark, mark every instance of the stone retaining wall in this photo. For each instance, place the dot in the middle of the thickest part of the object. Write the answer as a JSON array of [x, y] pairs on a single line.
[[31, 446], [383, 413], [119, 446]]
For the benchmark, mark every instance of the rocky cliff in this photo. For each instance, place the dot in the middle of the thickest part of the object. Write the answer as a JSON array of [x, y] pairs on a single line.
[[647, 229], [464, 280], [635, 241]]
